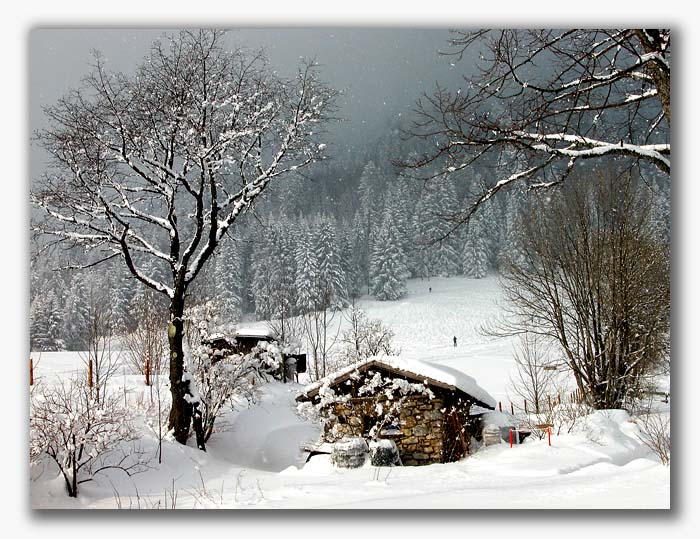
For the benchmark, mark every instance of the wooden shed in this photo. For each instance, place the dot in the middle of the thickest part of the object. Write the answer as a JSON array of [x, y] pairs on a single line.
[[430, 426]]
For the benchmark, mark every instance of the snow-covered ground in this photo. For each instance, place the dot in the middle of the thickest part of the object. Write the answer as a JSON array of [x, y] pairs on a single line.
[[256, 462]]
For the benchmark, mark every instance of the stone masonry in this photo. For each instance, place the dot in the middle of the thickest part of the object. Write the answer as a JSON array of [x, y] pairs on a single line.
[[421, 421]]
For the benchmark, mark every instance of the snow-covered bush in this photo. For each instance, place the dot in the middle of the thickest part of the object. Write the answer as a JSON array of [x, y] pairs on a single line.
[[384, 453], [219, 378], [81, 435]]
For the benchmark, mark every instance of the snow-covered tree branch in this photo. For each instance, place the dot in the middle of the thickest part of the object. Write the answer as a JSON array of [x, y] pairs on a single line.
[[543, 101]]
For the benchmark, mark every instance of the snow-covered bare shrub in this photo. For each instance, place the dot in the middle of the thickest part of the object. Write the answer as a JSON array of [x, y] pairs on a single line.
[[148, 340], [535, 375], [365, 337], [655, 433], [82, 436]]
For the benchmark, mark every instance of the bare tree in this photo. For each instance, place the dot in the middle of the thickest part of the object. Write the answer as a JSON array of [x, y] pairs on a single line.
[[596, 281], [542, 101], [321, 338], [364, 338], [156, 167], [535, 372]]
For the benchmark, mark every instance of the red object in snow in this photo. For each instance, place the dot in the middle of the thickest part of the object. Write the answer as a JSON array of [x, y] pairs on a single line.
[[511, 437]]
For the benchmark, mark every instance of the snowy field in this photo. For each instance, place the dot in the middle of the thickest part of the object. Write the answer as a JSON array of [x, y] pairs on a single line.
[[255, 462]]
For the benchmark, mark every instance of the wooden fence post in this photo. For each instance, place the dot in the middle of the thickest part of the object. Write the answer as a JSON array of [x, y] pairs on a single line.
[[31, 371], [500, 409], [148, 372], [89, 381]]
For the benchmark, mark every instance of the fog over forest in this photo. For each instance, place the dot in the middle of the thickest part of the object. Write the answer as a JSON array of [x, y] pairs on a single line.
[[381, 72], [353, 222]]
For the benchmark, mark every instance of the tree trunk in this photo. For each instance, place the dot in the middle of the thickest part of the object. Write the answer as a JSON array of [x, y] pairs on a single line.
[[661, 77], [183, 411], [73, 490]]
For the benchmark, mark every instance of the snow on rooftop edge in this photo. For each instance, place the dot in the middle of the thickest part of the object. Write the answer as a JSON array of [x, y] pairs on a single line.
[[255, 332], [439, 373]]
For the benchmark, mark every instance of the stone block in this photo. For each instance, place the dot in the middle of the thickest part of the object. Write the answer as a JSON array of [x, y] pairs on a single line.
[[420, 430]]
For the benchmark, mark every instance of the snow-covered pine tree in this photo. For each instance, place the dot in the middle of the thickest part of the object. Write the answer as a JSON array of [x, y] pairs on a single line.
[[45, 319], [347, 260], [228, 281], [421, 230], [491, 221], [332, 278], [388, 263], [122, 292], [444, 259], [283, 275], [399, 200], [360, 257], [511, 232], [371, 193], [262, 267], [307, 271], [474, 251], [74, 319]]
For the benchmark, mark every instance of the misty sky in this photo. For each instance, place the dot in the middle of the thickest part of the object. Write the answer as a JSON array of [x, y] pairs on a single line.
[[382, 71]]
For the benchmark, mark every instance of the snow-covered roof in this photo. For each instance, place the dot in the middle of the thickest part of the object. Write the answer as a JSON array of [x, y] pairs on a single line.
[[432, 373], [256, 332]]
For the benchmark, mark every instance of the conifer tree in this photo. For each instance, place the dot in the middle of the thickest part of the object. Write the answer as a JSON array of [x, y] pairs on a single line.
[[371, 191], [360, 256], [75, 313], [388, 264], [307, 271], [474, 251], [445, 258], [46, 315], [332, 279], [228, 281]]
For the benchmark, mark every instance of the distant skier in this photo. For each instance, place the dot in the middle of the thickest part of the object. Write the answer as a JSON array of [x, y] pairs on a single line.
[[454, 340], [430, 289]]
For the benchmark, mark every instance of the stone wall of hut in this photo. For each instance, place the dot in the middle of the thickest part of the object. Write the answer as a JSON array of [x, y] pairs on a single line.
[[421, 420]]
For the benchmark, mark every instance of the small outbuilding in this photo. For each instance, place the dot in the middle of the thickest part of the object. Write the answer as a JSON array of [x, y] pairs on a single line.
[[423, 407], [245, 339]]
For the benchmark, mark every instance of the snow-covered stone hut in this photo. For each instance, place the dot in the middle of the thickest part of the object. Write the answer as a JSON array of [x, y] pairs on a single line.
[[424, 407]]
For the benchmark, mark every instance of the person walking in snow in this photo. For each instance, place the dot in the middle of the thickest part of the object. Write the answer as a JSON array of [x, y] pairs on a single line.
[[454, 340]]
